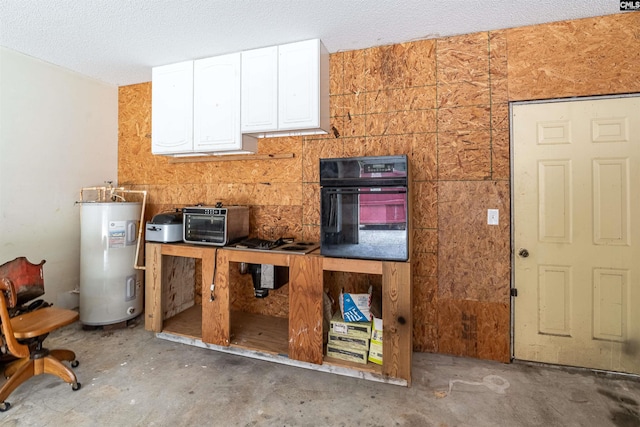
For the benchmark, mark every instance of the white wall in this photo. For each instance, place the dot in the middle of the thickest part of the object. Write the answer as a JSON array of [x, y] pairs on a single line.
[[58, 133]]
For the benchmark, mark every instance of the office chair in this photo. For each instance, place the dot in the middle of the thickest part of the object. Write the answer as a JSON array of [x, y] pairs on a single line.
[[24, 331]]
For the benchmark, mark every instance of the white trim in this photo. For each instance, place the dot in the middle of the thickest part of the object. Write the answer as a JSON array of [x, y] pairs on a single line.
[[282, 359]]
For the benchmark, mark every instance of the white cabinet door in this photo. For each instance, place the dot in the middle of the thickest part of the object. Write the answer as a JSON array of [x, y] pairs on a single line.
[[172, 108], [299, 85], [217, 104], [259, 88]]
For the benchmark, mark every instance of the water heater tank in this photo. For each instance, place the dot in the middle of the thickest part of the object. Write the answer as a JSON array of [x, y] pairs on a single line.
[[110, 286]]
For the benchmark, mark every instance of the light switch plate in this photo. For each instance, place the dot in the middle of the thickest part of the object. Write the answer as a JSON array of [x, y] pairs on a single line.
[[493, 216]]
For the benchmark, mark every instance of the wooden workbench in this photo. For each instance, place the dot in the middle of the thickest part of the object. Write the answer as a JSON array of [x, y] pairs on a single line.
[[298, 339]]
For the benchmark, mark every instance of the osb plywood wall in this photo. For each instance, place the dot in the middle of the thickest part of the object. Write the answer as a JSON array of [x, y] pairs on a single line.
[[442, 102]]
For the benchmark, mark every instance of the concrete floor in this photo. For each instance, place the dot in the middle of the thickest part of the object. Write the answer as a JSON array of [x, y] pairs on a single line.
[[131, 378]]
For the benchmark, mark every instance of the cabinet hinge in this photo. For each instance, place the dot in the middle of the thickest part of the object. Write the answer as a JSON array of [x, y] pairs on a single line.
[[514, 292]]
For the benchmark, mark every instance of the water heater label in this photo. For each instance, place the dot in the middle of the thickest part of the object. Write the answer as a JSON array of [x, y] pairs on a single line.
[[117, 234]]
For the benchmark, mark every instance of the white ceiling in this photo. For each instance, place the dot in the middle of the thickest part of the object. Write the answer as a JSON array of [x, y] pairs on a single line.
[[118, 41]]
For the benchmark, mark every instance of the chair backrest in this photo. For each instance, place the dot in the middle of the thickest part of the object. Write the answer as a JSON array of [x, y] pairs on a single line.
[[27, 279], [20, 282]]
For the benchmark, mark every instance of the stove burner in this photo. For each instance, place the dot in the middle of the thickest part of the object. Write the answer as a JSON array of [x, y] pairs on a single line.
[[296, 247], [261, 245]]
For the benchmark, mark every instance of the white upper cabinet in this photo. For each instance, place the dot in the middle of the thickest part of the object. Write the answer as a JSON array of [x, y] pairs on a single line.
[[196, 108], [260, 90], [285, 90], [172, 108], [216, 103], [220, 105]]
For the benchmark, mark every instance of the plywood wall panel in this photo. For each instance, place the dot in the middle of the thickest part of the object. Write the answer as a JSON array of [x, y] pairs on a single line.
[[464, 118], [499, 91], [273, 222], [354, 71], [464, 155], [335, 281], [285, 193], [134, 132], [179, 292], [401, 122], [424, 157], [476, 329], [425, 240], [311, 203], [348, 104], [281, 145], [500, 116], [425, 264], [473, 257], [425, 204], [498, 55], [463, 58], [336, 73], [425, 314], [348, 126], [382, 146], [356, 147], [575, 58], [311, 233], [465, 93], [185, 194], [413, 98], [400, 65], [242, 297], [500, 154]]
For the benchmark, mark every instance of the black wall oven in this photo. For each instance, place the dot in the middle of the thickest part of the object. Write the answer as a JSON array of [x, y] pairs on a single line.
[[364, 208]]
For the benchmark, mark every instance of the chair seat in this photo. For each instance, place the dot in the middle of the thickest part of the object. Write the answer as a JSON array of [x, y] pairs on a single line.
[[42, 321]]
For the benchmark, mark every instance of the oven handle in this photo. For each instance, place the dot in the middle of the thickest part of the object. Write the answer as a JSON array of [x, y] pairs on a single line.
[[379, 190]]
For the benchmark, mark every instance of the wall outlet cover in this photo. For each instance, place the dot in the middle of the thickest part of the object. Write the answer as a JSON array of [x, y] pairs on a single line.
[[493, 216]]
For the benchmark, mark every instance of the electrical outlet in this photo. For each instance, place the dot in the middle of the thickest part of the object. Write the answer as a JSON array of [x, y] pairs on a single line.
[[493, 216]]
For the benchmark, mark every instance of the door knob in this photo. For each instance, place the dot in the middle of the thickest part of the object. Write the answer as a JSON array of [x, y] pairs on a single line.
[[523, 253]]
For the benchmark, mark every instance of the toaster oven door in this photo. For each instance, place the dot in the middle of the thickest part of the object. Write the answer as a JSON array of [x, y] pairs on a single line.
[[205, 228]]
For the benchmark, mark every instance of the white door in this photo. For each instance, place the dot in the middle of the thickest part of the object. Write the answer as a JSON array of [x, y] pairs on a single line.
[[259, 89], [216, 120], [172, 108], [576, 196], [299, 85]]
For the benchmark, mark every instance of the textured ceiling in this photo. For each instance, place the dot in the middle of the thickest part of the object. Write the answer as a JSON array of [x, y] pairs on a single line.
[[118, 41]]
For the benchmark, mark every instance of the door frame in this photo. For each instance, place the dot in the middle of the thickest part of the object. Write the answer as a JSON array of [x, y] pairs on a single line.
[[512, 192]]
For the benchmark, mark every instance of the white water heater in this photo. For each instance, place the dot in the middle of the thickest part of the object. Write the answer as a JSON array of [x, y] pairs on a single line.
[[110, 286]]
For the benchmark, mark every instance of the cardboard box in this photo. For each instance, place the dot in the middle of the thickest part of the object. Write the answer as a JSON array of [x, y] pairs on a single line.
[[376, 329], [346, 341], [350, 355], [375, 352], [375, 347], [355, 307], [353, 329]]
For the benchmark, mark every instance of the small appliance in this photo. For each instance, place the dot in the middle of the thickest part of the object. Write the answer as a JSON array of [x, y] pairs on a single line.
[[364, 207], [164, 228], [215, 225]]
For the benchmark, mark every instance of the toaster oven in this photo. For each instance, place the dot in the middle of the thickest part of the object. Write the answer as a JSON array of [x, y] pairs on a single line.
[[215, 225]]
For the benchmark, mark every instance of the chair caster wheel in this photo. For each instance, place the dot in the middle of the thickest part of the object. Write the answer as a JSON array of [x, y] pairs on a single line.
[[76, 386], [75, 364], [4, 406]]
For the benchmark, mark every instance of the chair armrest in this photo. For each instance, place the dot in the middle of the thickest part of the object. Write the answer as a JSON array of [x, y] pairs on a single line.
[[9, 291]]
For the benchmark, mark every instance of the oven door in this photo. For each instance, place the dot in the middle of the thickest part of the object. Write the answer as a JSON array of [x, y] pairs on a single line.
[[364, 222], [204, 228]]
